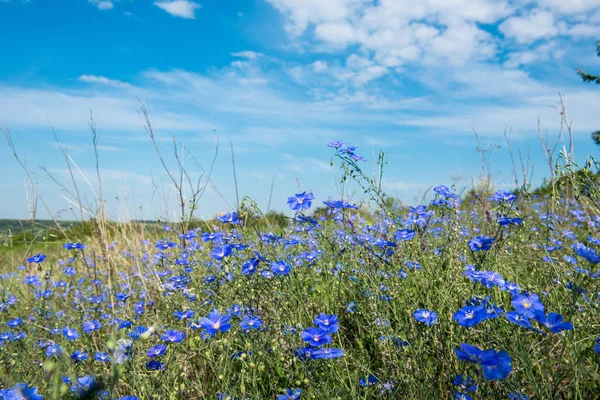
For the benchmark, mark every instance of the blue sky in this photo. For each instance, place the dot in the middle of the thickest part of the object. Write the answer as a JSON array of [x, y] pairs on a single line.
[[279, 79]]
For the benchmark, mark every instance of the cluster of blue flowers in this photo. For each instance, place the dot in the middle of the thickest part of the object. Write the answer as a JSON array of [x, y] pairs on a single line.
[[246, 296], [319, 336]]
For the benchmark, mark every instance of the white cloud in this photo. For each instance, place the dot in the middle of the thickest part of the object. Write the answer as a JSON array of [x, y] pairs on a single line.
[[252, 81], [393, 33], [461, 43], [368, 101], [337, 34], [534, 26], [370, 73], [103, 81], [68, 110], [319, 66], [584, 30], [250, 55], [490, 119], [539, 54], [102, 4], [301, 13], [570, 6], [179, 8]]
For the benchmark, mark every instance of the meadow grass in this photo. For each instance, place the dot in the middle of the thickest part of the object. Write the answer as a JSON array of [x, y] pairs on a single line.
[[401, 289]]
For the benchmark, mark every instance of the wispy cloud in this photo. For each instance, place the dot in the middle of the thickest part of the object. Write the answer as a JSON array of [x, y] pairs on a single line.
[[103, 81], [179, 8], [251, 55], [102, 4]]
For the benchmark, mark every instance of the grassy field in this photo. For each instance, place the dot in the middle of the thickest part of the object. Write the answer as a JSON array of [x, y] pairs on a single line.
[[492, 296]]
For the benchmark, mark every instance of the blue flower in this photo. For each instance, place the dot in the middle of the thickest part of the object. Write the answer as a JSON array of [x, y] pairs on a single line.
[[138, 331], [340, 204], [291, 394], [502, 196], [300, 201], [404, 235], [31, 280], [163, 245], [511, 287], [494, 364], [327, 352], [70, 333], [181, 314], [461, 396], [85, 386], [220, 252], [586, 252], [280, 268], [428, 317], [21, 391], [101, 357], [38, 258], [506, 221], [191, 235], [249, 267], [553, 321], [13, 323], [465, 383], [349, 150], [79, 355], [173, 336], [53, 349], [442, 190], [316, 336], [229, 218], [90, 326], [155, 365], [468, 352], [470, 316], [329, 323], [157, 351], [304, 353], [215, 322], [336, 145], [370, 380], [250, 322], [518, 319], [527, 304], [74, 246], [479, 243]]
